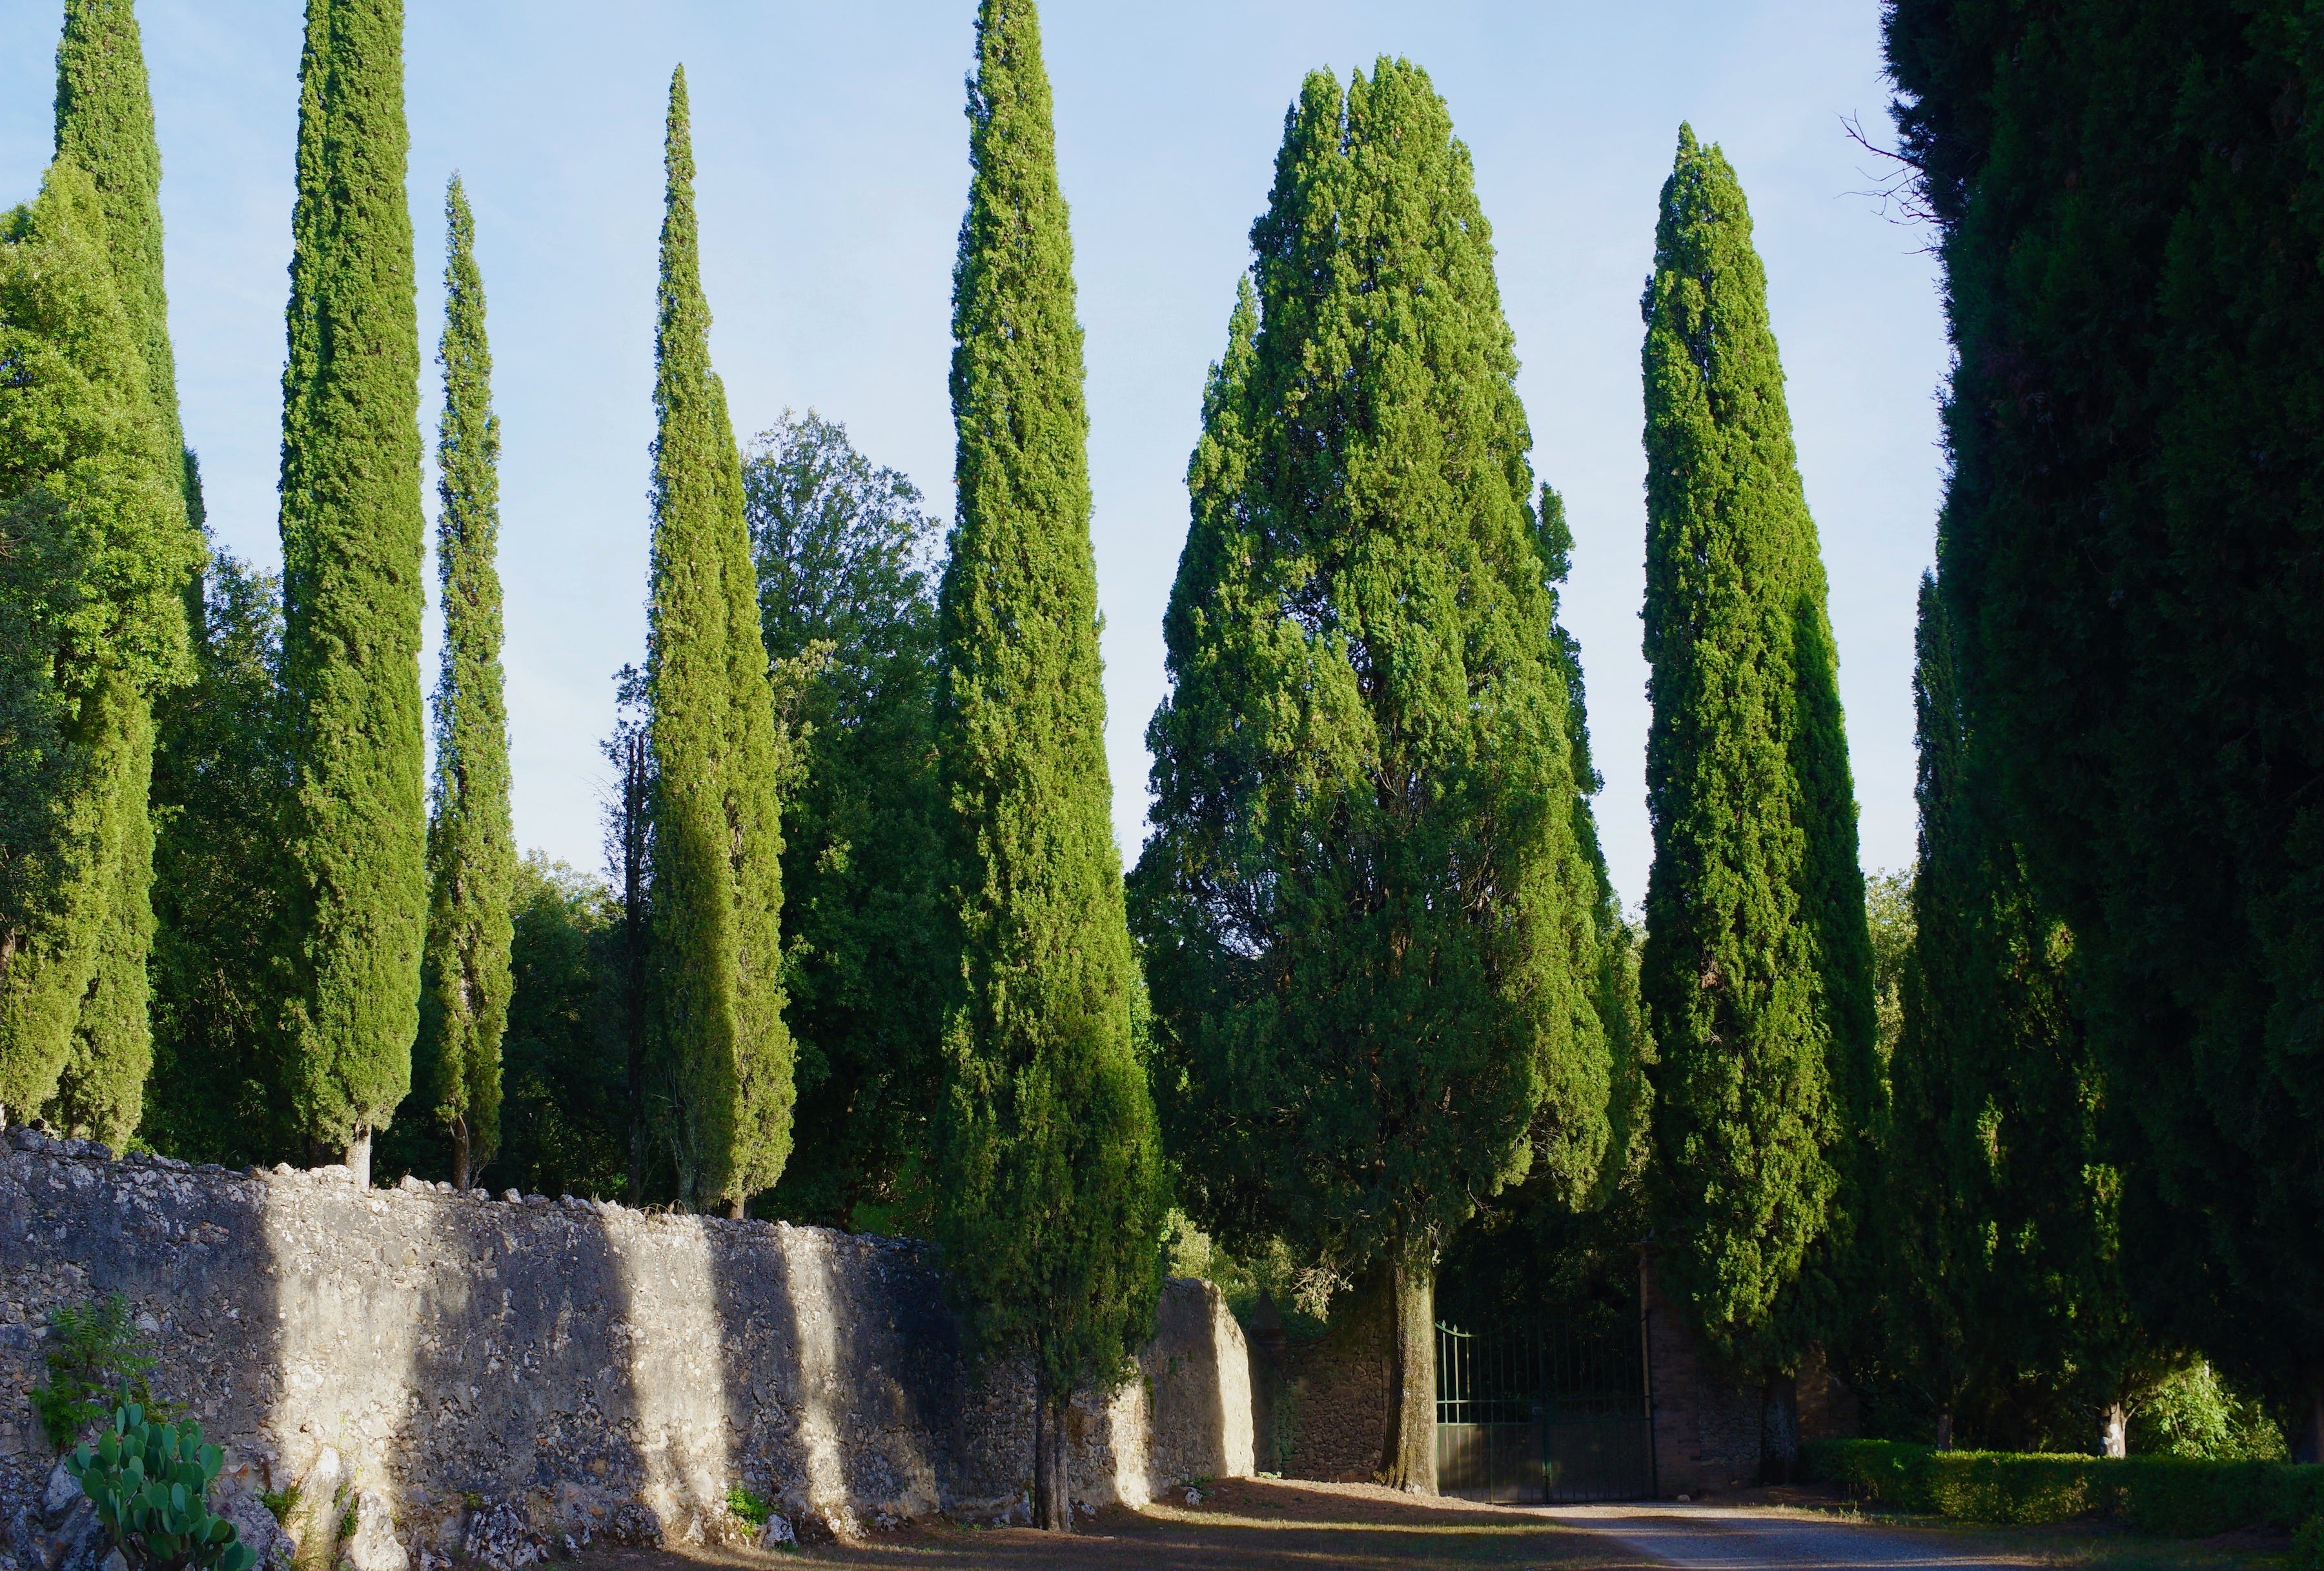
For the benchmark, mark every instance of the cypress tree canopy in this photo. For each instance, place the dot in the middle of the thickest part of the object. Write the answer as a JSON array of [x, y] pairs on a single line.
[[471, 844], [1047, 1154], [1370, 922], [352, 552], [2129, 204], [725, 1052], [93, 552], [1756, 973], [105, 124]]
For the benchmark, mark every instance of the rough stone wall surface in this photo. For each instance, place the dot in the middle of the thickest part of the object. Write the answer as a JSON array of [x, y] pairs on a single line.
[[438, 1373], [1829, 1409], [1322, 1405], [1707, 1432]]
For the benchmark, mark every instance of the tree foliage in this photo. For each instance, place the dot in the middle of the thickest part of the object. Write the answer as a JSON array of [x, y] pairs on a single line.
[[2126, 202], [725, 1054], [1370, 910], [351, 550], [844, 556], [1050, 1205], [471, 844], [93, 550], [223, 774], [1757, 972]]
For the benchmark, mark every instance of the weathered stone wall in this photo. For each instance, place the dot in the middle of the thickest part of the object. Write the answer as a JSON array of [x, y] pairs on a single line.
[[446, 1373]]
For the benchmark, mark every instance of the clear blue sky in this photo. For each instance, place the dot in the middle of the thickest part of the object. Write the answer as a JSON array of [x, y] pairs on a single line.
[[833, 171]]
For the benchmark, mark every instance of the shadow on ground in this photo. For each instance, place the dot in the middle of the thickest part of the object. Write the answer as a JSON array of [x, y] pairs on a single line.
[[1240, 1523]]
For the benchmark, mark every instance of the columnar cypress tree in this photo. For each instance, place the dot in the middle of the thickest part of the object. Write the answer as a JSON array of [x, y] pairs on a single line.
[[471, 846], [2130, 197], [352, 552], [1370, 926], [94, 551], [726, 1055], [1047, 1156], [1756, 973], [2002, 1201], [105, 124]]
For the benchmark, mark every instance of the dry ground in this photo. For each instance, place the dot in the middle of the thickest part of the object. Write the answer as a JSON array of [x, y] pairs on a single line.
[[1260, 1525]]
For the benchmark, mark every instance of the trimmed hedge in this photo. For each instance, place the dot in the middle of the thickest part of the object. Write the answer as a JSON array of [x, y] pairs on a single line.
[[2157, 1494]]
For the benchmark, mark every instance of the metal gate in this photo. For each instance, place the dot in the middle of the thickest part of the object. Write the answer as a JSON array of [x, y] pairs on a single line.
[[1527, 1414]]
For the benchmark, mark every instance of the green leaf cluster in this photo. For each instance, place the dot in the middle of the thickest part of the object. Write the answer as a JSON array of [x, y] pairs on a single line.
[[845, 556], [96, 1360], [471, 843], [352, 525], [1046, 1152], [149, 1484], [724, 1053], [1758, 968]]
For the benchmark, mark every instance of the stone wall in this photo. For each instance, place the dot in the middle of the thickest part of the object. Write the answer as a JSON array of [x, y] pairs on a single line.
[[445, 1374]]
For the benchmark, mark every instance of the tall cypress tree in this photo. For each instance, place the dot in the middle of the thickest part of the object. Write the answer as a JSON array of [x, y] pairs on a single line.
[[725, 1054], [2129, 200], [1370, 925], [352, 527], [470, 845], [1756, 973], [93, 552], [1048, 1161], [105, 124]]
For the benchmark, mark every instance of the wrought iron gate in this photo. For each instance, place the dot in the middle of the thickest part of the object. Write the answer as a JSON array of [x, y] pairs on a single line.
[[1537, 1413]]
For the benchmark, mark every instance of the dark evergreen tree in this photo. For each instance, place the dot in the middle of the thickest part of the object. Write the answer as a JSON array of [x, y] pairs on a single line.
[[352, 596], [844, 557], [94, 553], [471, 843], [2129, 199], [1049, 1197], [1757, 972], [2001, 1206], [1371, 929], [725, 1054], [223, 774]]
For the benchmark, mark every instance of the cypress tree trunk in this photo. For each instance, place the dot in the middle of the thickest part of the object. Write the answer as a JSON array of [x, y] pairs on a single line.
[[1370, 925], [471, 844], [352, 552], [105, 124], [1408, 1455], [1053, 1505], [1046, 1157], [717, 847], [1757, 971]]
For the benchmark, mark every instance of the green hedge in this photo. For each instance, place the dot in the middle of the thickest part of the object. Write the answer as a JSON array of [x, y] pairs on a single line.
[[2156, 1494]]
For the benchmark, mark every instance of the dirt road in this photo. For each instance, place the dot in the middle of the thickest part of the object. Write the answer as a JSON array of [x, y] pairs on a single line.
[[1714, 1538]]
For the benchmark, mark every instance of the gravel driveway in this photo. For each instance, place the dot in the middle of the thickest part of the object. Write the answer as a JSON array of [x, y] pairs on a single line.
[[1712, 1538]]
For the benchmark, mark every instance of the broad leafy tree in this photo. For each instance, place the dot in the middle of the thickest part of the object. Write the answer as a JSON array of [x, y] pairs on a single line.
[[845, 559]]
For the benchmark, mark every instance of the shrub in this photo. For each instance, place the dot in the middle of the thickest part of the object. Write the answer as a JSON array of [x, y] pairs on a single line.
[[96, 1361], [150, 1486], [748, 1506], [2173, 1496], [2308, 1546]]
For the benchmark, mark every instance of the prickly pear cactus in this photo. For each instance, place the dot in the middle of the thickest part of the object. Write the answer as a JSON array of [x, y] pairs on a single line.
[[151, 1483]]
